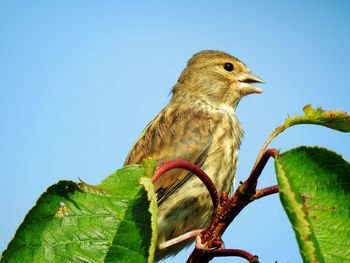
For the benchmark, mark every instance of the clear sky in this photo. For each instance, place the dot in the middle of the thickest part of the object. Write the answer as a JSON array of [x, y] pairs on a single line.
[[79, 80]]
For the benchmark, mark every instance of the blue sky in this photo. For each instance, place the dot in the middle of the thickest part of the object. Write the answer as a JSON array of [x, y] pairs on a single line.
[[80, 80]]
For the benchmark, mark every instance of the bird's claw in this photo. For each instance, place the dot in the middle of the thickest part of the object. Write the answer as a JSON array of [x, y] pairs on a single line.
[[216, 244]]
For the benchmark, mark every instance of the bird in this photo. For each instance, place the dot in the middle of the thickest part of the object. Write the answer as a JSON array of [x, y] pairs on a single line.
[[199, 125]]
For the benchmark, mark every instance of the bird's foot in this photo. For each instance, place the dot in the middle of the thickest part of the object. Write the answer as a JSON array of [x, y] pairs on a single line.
[[189, 235], [216, 244]]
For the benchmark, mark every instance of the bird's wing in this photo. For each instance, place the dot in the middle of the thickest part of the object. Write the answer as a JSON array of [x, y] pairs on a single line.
[[173, 135]]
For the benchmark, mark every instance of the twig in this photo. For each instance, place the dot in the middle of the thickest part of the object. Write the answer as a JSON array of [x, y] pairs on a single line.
[[236, 253], [266, 191], [228, 209], [166, 166], [204, 256], [250, 183], [277, 131]]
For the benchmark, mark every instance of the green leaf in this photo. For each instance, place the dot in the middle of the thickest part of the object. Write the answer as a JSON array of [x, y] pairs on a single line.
[[76, 222], [315, 192], [334, 119]]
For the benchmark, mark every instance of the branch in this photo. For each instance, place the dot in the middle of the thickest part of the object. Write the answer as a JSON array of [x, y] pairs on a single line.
[[166, 166], [229, 208], [266, 191], [236, 253], [204, 256], [251, 182]]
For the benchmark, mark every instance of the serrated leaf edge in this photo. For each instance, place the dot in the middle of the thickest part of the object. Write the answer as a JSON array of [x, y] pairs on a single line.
[[310, 114]]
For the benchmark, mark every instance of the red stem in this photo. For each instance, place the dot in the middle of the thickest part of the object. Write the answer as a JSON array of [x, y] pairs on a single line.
[[250, 183], [236, 253], [228, 209], [205, 256], [266, 191], [166, 166]]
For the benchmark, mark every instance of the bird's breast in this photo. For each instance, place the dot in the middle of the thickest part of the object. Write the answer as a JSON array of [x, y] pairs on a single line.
[[220, 164]]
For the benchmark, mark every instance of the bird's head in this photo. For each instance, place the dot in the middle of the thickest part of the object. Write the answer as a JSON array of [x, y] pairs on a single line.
[[217, 78]]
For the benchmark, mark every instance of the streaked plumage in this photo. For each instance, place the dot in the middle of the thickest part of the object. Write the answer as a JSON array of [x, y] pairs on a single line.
[[198, 125]]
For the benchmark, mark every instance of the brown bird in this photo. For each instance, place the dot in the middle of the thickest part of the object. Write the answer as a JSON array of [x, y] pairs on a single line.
[[199, 125]]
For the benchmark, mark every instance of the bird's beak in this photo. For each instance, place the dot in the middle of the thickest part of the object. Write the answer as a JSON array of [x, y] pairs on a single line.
[[246, 86]]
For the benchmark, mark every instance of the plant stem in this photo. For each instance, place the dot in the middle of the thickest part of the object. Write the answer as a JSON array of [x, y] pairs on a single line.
[[237, 253], [207, 255], [229, 208], [250, 183], [266, 191], [166, 166], [277, 131]]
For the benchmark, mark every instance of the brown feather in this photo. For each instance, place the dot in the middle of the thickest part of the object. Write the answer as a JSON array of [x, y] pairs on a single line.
[[173, 135]]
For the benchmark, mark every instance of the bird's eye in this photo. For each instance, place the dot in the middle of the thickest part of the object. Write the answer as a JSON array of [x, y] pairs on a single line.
[[228, 66]]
